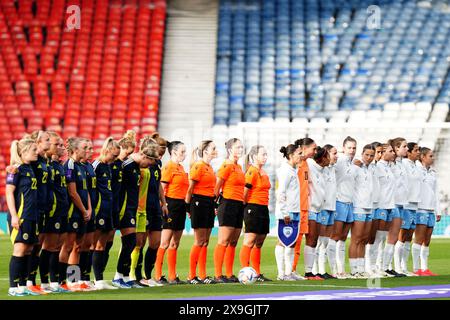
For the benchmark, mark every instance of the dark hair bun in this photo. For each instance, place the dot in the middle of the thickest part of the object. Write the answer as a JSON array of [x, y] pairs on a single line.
[[283, 150]]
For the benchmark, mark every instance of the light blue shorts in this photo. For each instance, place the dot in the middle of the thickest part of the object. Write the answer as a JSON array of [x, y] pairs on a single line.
[[386, 214], [344, 212], [362, 215], [325, 217], [313, 216], [426, 218], [408, 219], [295, 216]]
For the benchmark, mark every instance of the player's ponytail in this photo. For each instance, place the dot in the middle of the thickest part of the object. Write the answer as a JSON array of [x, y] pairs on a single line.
[[128, 140], [198, 151], [250, 157], [146, 141], [288, 150], [108, 145], [229, 144], [173, 146], [18, 148]]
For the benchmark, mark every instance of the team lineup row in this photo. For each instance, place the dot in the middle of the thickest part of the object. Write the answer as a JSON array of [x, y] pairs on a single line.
[[63, 216]]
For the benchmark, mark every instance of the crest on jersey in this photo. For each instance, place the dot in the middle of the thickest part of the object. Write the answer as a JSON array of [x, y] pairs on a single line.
[[132, 221], [57, 226], [249, 211], [25, 236], [75, 225], [101, 222], [169, 220], [196, 203], [287, 233]]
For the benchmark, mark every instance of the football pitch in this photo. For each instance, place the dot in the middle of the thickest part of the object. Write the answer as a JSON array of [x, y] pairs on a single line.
[[439, 262]]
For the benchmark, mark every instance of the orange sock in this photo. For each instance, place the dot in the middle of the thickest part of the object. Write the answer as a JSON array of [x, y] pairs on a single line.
[[297, 251], [193, 259], [172, 263], [219, 253], [159, 263], [244, 256], [202, 262], [229, 260], [255, 257]]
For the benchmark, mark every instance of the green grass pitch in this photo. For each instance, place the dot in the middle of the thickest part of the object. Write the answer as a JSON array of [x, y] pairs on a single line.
[[438, 263]]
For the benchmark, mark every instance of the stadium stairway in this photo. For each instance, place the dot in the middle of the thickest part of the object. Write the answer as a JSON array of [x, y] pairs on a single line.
[[187, 89]]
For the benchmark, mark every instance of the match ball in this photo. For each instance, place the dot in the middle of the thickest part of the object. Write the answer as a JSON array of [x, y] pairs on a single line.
[[247, 275]]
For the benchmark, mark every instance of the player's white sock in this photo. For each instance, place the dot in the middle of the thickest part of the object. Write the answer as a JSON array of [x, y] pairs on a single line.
[[126, 279], [315, 266], [353, 265], [405, 256], [331, 254], [424, 253], [340, 256], [387, 255], [118, 276], [398, 253], [382, 241], [367, 260], [323, 241], [279, 256], [361, 265], [29, 283], [288, 260], [416, 256], [309, 253]]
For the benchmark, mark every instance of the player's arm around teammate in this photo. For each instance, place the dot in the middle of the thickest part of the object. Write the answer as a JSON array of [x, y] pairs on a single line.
[[327, 246], [175, 183], [57, 192], [200, 203], [317, 191], [256, 210], [127, 145], [386, 202], [394, 222], [363, 208], [403, 245], [308, 149], [231, 180], [103, 208], [129, 201], [345, 183], [80, 208], [428, 213], [21, 198], [287, 207]]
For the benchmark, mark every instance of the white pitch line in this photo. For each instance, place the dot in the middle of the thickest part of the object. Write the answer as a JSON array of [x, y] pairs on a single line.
[[311, 285]]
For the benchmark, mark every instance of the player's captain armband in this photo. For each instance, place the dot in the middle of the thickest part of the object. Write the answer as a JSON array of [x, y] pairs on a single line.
[[10, 178]]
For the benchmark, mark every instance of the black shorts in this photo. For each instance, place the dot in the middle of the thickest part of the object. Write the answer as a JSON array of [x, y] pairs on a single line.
[[154, 216], [116, 220], [177, 214], [256, 219], [230, 213], [41, 221], [128, 220], [90, 225], [103, 223], [27, 232], [202, 212], [52, 224], [76, 224], [64, 224]]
